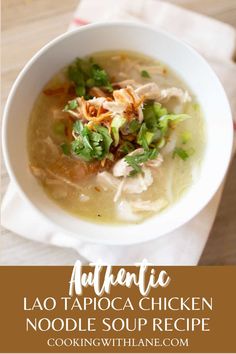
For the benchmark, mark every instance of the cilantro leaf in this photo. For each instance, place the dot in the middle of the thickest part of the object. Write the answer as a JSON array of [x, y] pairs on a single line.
[[85, 74], [79, 149], [141, 138], [136, 161], [126, 147], [106, 139], [100, 77], [91, 145]]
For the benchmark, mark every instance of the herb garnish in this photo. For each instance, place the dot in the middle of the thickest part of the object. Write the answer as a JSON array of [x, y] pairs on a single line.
[[71, 105], [136, 161], [91, 144], [65, 148], [182, 153], [145, 73], [171, 119], [117, 122], [186, 136], [86, 74]]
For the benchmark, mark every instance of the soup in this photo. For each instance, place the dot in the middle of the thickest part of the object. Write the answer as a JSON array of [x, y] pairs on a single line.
[[116, 137]]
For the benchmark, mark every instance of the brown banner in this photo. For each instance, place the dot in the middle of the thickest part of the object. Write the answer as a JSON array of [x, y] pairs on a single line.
[[194, 312]]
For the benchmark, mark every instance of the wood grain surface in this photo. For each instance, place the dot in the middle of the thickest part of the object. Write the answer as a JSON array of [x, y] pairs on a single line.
[[26, 26]]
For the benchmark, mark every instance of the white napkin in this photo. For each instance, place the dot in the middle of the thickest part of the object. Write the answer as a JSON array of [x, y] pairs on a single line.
[[213, 39]]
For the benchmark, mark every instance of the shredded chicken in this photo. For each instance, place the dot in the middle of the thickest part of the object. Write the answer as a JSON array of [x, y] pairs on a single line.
[[74, 114], [171, 144], [129, 210], [119, 190], [125, 83], [140, 205], [134, 185], [38, 172], [150, 91], [152, 69], [156, 162], [130, 101], [114, 107], [123, 169], [127, 101], [167, 94], [125, 212], [52, 146], [110, 126], [106, 180], [83, 197], [96, 101], [97, 92], [139, 183]]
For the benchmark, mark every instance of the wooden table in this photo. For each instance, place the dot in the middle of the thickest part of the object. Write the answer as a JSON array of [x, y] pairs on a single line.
[[27, 25]]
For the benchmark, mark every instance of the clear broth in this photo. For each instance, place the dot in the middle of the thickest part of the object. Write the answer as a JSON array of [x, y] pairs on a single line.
[[86, 200]]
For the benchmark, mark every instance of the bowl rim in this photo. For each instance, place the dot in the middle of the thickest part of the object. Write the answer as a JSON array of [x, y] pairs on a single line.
[[110, 240]]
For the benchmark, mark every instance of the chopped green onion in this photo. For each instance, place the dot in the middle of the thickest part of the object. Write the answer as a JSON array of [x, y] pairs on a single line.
[[100, 77], [161, 143], [159, 109], [173, 118], [141, 138], [134, 126], [136, 161], [126, 147], [145, 73], [186, 136], [145, 137], [152, 112], [86, 74], [117, 122], [196, 106], [149, 137], [182, 153]]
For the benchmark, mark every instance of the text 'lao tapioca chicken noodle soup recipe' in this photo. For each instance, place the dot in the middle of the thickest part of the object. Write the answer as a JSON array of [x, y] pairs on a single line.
[[115, 137]]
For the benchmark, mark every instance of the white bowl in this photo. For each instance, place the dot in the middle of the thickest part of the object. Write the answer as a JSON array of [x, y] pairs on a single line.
[[185, 61]]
